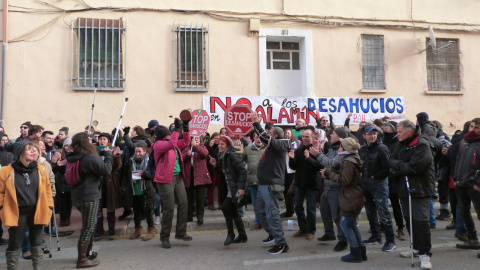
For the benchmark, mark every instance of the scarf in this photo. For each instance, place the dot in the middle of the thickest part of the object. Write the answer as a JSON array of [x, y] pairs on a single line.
[[143, 164], [471, 135], [20, 168]]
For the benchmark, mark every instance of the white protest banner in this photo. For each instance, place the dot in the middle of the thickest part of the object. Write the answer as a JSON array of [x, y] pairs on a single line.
[[285, 110]]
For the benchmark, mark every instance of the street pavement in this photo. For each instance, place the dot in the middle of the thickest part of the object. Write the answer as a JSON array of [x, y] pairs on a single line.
[[206, 251]]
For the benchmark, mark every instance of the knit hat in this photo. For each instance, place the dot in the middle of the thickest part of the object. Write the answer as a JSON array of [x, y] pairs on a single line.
[[67, 141], [106, 135], [422, 118], [393, 125], [153, 123], [161, 132], [18, 148], [342, 132], [350, 145]]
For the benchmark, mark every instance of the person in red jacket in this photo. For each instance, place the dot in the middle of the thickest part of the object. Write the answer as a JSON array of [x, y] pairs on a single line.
[[169, 176], [196, 177]]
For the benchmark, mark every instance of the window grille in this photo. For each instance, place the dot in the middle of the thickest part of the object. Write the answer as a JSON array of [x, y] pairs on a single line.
[[373, 62], [98, 54], [443, 66], [190, 60], [283, 55]]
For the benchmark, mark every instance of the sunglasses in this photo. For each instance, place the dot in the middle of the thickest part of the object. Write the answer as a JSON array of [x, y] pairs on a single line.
[[24, 127], [324, 121]]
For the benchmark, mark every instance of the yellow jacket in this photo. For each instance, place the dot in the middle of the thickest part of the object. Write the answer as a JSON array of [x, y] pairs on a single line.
[[8, 198]]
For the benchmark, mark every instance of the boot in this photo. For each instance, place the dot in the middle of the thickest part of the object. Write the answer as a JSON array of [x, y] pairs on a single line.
[[12, 259], [452, 225], [242, 236], [37, 257], [83, 261], [363, 252], [91, 255], [151, 231], [355, 256], [443, 215], [231, 234], [99, 231], [137, 233]]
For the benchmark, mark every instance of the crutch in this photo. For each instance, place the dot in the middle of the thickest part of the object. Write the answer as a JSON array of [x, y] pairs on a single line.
[[55, 222], [410, 213], [93, 105], [50, 233], [119, 122]]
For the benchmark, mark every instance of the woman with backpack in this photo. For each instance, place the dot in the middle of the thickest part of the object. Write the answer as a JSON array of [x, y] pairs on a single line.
[[234, 174], [25, 201], [85, 162]]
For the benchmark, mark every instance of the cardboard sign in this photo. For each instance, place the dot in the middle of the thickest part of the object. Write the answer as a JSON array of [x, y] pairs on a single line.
[[200, 122], [238, 119]]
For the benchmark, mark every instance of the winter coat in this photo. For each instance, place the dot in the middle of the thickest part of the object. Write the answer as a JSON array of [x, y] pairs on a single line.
[[453, 151], [252, 154], [5, 157], [111, 197], [9, 212], [350, 197], [128, 152], [272, 166], [51, 176], [412, 158], [91, 169], [330, 160], [148, 188], [375, 160], [467, 167], [61, 185], [307, 171], [200, 175], [165, 157], [213, 152], [232, 169], [390, 140]]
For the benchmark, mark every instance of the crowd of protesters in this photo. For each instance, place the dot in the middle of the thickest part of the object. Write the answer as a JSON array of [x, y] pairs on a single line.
[[150, 170]]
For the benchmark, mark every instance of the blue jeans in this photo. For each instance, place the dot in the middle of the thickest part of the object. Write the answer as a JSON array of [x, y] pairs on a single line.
[[157, 210], [330, 212], [459, 223], [26, 242], [376, 206], [349, 226], [266, 209], [310, 195], [253, 195], [433, 222]]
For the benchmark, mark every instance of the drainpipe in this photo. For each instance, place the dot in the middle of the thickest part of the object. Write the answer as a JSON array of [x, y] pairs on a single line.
[[4, 63]]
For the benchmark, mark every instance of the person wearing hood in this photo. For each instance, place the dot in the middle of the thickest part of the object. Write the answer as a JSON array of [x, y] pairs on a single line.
[[390, 140], [137, 135], [467, 182], [169, 176], [412, 161], [87, 194], [111, 197], [329, 208], [25, 201], [375, 156], [233, 172], [351, 197]]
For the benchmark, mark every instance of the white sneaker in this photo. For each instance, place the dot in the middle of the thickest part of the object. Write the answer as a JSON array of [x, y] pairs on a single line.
[[425, 262], [408, 253], [157, 220]]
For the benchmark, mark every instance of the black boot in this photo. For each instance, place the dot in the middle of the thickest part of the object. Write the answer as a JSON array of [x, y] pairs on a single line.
[[443, 215], [242, 235], [363, 251], [231, 234], [91, 255], [355, 256]]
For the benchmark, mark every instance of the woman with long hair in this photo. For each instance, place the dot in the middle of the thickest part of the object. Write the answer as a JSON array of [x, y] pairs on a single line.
[[234, 173], [25, 200], [87, 194]]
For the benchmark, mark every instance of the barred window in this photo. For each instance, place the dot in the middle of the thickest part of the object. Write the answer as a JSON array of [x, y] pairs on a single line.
[[443, 66], [190, 60], [373, 61], [283, 55], [98, 54]]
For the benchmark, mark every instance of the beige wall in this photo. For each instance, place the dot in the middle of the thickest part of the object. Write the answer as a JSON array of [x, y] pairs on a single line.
[[39, 67]]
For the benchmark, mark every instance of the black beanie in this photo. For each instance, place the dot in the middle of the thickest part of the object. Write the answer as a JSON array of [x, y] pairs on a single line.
[[106, 135], [161, 132], [422, 118], [393, 125], [342, 132]]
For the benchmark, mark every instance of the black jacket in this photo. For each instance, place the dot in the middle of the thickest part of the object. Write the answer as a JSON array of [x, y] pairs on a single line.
[[5, 157], [91, 170], [453, 152], [231, 167], [413, 158], [467, 167], [390, 140], [307, 171], [272, 166], [375, 160]]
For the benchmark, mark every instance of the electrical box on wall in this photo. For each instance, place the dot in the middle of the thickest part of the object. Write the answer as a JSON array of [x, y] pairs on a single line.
[[254, 25]]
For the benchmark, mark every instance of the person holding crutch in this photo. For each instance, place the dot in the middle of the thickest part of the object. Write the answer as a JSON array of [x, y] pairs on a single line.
[[412, 161]]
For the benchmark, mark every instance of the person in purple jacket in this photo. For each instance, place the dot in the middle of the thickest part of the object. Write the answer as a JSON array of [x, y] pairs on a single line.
[[169, 178]]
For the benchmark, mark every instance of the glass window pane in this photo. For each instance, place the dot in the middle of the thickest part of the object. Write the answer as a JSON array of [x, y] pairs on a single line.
[[281, 55], [268, 61], [295, 61], [281, 65], [290, 46], [273, 45]]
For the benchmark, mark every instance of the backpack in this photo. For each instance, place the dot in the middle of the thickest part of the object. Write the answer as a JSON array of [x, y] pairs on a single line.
[[151, 165], [72, 175]]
